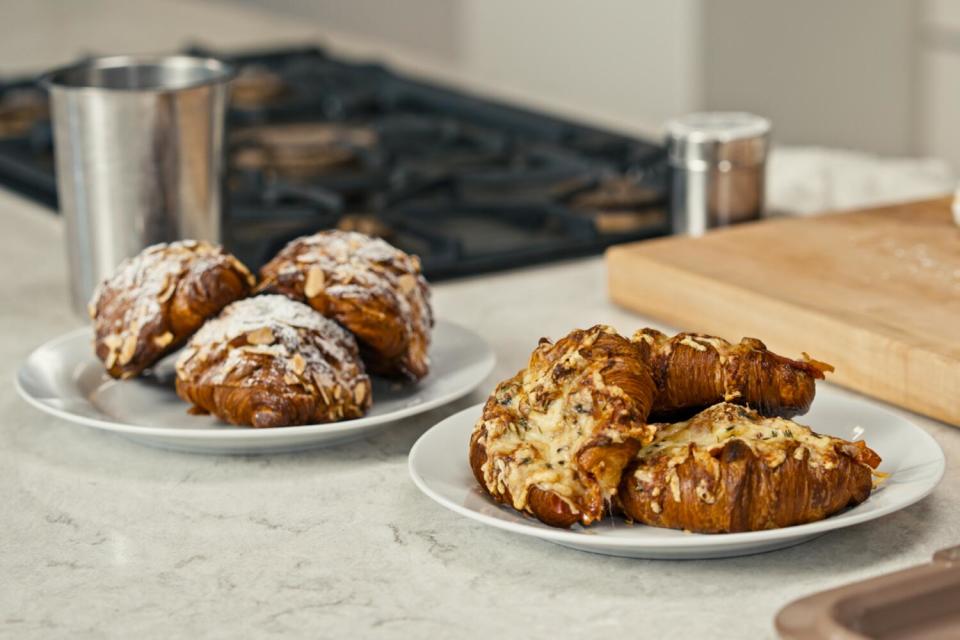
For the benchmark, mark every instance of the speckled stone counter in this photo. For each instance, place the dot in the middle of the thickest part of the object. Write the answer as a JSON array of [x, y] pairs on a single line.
[[105, 537]]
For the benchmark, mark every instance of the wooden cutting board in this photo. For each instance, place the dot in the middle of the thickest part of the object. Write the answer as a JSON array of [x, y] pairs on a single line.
[[875, 292]]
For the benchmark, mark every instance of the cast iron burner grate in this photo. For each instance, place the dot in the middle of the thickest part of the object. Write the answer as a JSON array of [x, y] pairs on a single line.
[[469, 184]]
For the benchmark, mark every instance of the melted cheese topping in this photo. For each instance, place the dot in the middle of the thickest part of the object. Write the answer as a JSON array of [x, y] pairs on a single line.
[[550, 413], [538, 452], [710, 430], [691, 342]]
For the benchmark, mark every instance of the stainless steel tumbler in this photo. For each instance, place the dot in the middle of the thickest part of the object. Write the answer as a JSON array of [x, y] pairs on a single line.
[[139, 151], [718, 168]]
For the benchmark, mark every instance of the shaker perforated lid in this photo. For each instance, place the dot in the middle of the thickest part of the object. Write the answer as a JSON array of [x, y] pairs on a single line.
[[699, 141]]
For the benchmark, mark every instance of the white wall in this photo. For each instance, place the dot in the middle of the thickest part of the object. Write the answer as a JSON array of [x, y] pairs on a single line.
[[939, 112], [625, 63], [837, 74], [881, 76], [630, 60]]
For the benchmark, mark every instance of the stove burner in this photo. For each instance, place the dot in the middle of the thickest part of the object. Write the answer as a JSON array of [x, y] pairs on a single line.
[[468, 184], [365, 223], [620, 192], [299, 150], [20, 109], [619, 205], [255, 86]]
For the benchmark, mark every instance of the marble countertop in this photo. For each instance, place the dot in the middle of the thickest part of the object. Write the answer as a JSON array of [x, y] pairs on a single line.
[[103, 537], [107, 537]]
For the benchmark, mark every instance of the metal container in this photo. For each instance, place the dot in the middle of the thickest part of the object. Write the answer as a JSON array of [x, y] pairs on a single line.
[[718, 167], [139, 151]]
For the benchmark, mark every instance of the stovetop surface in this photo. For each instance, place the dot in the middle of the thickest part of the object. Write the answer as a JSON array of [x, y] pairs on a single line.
[[469, 184]]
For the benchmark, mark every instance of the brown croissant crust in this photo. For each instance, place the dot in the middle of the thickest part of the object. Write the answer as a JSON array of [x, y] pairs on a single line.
[[729, 469], [554, 438], [373, 289], [156, 300], [693, 371], [270, 361]]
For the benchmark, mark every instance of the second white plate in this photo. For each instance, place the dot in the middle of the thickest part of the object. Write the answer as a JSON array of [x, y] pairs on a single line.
[[64, 378], [915, 462]]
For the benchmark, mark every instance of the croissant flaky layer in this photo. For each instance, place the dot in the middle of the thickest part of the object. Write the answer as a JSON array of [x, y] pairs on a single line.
[[156, 300], [371, 288], [553, 439], [693, 371], [269, 361], [729, 469], [575, 432]]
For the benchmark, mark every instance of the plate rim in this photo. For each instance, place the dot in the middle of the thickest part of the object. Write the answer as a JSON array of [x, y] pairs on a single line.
[[686, 542], [488, 362]]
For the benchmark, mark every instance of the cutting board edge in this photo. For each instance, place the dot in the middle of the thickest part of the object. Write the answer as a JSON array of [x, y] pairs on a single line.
[[652, 274], [942, 204]]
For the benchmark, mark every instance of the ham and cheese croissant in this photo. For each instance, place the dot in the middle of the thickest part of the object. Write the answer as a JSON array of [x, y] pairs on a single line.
[[729, 469], [553, 439], [573, 435], [693, 371]]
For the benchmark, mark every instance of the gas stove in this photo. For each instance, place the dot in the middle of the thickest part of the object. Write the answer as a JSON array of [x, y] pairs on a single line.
[[468, 184]]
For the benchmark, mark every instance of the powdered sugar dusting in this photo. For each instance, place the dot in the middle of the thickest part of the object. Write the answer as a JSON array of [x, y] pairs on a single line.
[[303, 347], [351, 265], [130, 306]]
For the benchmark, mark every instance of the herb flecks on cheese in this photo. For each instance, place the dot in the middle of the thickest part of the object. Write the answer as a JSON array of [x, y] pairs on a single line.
[[568, 400], [770, 439]]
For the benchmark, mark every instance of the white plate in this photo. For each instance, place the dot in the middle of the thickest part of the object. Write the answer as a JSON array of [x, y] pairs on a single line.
[[64, 378], [439, 467]]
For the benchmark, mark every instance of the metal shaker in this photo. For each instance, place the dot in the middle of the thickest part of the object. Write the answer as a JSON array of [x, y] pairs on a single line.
[[718, 167], [139, 157]]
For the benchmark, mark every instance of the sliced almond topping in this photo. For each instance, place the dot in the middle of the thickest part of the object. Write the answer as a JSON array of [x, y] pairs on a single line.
[[298, 364], [113, 341], [360, 393], [241, 268], [337, 393], [289, 378], [703, 492], [263, 335], [323, 392], [186, 357], [163, 339], [314, 283], [675, 485], [416, 262], [128, 349], [91, 310], [261, 349], [306, 257], [228, 368], [407, 282], [166, 291], [111, 359]]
